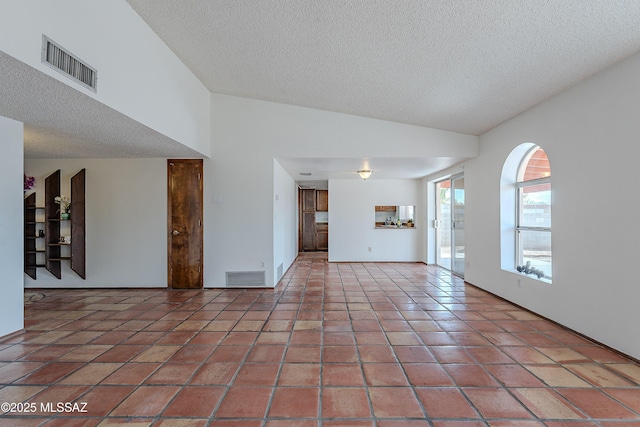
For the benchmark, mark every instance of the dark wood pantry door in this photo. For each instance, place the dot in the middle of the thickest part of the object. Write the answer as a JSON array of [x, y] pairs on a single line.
[[184, 223]]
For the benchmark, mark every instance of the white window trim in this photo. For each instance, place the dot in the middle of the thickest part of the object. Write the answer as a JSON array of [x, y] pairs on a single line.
[[509, 211], [519, 185]]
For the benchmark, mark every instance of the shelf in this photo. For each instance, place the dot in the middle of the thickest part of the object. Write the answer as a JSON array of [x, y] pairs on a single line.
[[30, 235], [52, 225], [78, 224]]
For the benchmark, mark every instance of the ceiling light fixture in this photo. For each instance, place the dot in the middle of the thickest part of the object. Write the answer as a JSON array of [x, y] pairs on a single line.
[[364, 174]]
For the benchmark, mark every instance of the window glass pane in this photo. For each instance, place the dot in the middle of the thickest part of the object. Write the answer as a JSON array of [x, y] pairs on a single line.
[[443, 231], [535, 206], [536, 249], [405, 212], [537, 166]]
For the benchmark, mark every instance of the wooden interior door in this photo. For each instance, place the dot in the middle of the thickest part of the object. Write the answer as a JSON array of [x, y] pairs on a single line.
[[184, 217]]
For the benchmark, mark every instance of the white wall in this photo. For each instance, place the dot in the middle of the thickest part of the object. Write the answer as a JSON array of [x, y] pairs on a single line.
[[245, 228], [239, 186], [352, 220], [138, 74], [126, 221], [11, 227], [590, 133], [277, 130], [285, 237], [238, 209]]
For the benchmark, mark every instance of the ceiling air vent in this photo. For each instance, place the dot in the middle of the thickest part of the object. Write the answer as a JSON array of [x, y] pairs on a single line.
[[61, 60]]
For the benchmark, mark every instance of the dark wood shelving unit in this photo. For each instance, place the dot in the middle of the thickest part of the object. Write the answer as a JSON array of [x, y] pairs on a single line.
[[52, 224], [78, 219], [30, 236], [53, 254]]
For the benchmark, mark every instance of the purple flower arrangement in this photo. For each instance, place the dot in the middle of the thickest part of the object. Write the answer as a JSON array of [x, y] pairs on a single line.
[[29, 182]]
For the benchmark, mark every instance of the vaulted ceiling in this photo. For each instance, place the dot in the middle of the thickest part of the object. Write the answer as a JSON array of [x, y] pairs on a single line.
[[463, 66]]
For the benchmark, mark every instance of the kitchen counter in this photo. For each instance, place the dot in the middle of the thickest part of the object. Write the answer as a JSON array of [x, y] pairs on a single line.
[[395, 227]]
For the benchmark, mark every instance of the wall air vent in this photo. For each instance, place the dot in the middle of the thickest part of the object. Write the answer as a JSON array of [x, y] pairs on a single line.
[[280, 271], [61, 60], [245, 279]]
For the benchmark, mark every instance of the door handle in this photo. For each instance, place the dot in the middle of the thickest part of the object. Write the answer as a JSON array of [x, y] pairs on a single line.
[[175, 232]]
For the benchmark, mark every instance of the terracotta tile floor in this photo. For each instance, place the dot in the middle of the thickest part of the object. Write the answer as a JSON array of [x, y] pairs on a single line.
[[346, 344]]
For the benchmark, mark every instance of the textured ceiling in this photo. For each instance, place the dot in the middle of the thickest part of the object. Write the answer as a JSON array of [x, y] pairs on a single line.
[[61, 122], [456, 65], [382, 167], [464, 66]]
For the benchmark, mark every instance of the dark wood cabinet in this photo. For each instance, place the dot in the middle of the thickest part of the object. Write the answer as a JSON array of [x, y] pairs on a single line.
[[322, 200], [313, 236], [322, 237], [308, 200], [308, 220], [308, 231], [385, 208]]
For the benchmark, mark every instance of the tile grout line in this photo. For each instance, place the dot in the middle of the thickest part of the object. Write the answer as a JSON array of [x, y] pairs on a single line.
[[376, 283], [374, 419]]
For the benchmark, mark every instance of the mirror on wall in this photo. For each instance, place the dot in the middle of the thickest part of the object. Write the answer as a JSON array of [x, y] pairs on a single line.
[[394, 216]]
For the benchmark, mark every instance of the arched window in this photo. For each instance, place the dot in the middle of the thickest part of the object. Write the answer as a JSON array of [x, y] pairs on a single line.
[[533, 214]]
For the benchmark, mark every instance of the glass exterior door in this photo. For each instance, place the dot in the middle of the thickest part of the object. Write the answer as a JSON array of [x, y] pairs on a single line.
[[449, 224], [443, 224], [457, 226]]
